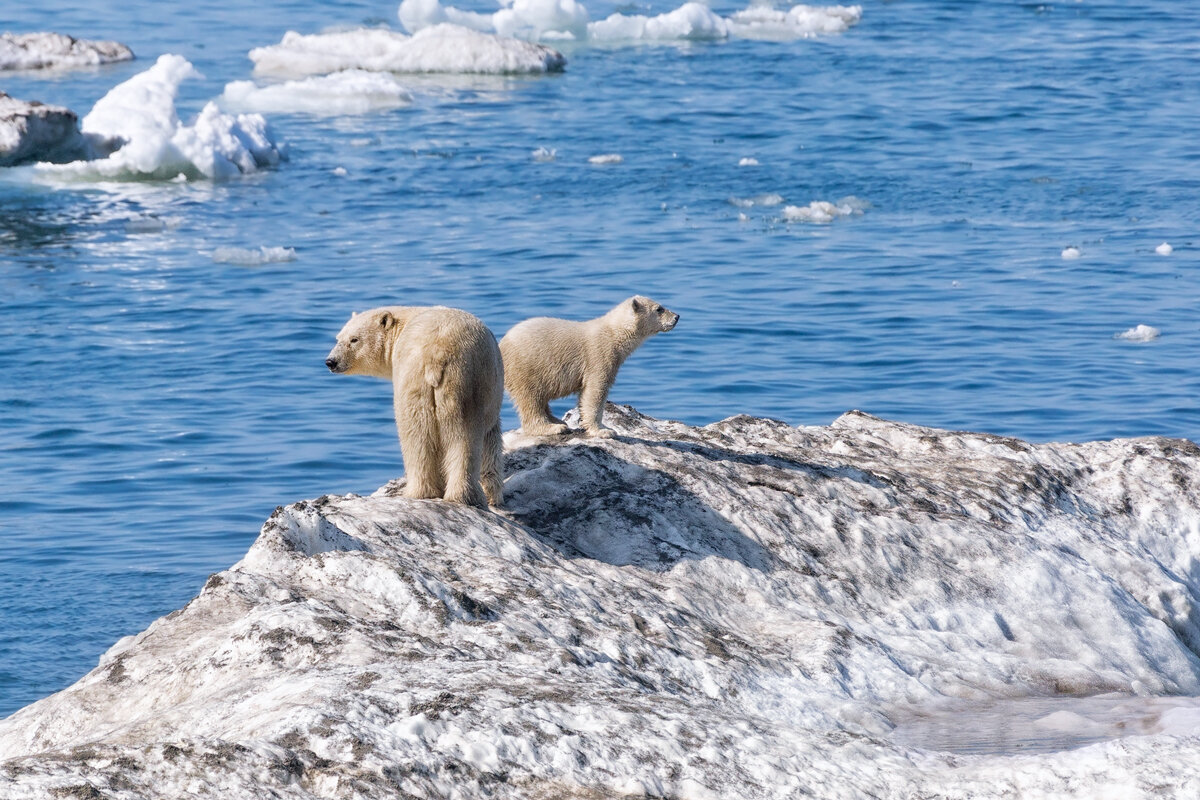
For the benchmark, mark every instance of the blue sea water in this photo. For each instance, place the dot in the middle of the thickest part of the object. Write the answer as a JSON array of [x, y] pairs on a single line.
[[159, 403]]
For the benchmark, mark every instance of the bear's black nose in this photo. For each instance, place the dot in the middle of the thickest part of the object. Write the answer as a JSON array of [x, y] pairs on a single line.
[[329, 362]]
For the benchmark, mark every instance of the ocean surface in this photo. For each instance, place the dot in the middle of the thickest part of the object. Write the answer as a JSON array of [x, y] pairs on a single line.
[[992, 181]]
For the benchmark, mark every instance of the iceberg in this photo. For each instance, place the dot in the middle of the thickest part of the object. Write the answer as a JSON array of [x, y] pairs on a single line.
[[137, 134], [442, 47], [33, 131], [46, 50], [742, 609]]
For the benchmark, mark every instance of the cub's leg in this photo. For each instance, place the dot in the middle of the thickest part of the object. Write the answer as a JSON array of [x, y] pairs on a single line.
[[536, 419], [492, 470], [591, 407]]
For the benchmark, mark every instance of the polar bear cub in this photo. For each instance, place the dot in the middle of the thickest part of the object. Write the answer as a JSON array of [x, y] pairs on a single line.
[[547, 358], [447, 383]]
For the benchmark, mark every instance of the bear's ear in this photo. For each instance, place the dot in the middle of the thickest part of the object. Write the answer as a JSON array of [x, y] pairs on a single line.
[[637, 307], [385, 319], [353, 314]]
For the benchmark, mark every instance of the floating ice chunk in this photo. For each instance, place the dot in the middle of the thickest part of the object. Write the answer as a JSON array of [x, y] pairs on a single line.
[[441, 48], [748, 162], [798, 22], [1142, 333], [340, 171], [31, 131], [1070, 253], [57, 50], [1164, 249], [607, 158], [352, 91], [253, 257], [563, 20], [138, 120], [544, 154], [758, 200], [692, 21], [822, 212]]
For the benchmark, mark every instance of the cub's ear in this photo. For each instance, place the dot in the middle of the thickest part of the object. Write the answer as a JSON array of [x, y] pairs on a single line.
[[353, 314], [637, 307], [385, 320]]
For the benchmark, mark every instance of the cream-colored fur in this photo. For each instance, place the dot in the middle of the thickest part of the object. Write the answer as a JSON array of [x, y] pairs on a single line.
[[547, 358], [448, 383]]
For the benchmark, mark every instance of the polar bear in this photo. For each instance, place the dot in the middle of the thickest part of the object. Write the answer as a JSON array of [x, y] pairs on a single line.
[[546, 358], [448, 384]]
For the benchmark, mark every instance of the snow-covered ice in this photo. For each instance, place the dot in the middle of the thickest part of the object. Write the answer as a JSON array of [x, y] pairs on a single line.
[[352, 91], [570, 20], [138, 124], [45, 50], [1164, 249], [440, 48], [748, 161], [1139, 333], [252, 257], [1070, 253], [744, 609]]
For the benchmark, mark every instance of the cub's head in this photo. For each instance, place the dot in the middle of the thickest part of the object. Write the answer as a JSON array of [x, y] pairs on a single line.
[[364, 344], [651, 317]]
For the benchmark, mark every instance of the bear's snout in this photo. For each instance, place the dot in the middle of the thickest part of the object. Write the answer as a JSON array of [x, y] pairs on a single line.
[[674, 321], [333, 365]]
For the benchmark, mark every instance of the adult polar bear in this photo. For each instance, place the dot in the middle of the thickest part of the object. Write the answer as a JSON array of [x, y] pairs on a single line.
[[547, 358], [448, 384]]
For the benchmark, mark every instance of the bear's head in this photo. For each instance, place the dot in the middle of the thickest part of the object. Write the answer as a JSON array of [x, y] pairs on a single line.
[[650, 317], [364, 345]]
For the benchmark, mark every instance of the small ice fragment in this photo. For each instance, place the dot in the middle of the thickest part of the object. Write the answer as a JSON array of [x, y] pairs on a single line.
[[822, 211], [1142, 333], [757, 200], [607, 158], [145, 225], [1164, 249], [253, 257], [339, 171], [663, 207], [742, 217], [180, 178], [545, 154], [748, 162], [1070, 252]]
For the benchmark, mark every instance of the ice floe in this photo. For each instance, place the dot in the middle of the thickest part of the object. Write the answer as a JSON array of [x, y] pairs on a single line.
[[440, 48], [253, 257], [822, 211], [748, 161], [1070, 253], [607, 158], [138, 134], [46, 50], [353, 91], [744, 609], [569, 20], [33, 131], [1164, 249], [1140, 333]]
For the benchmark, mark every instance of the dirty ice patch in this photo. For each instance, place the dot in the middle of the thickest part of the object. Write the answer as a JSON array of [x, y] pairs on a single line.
[[822, 212], [569, 20], [253, 257], [142, 137], [1141, 333], [442, 47], [352, 91], [45, 50]]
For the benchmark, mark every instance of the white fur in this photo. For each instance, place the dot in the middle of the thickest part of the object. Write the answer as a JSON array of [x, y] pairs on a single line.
[[448, 384], [547, 358]]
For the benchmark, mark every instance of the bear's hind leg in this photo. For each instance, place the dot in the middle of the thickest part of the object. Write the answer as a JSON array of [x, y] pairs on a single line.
[[492, 470], [462, 459], [536, 420]]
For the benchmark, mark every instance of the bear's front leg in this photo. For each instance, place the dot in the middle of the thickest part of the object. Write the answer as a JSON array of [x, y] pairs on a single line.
[[591, 407]]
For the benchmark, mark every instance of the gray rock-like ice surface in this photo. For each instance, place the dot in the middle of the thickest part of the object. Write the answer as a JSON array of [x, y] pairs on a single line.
[[33, 131], [45, 50], [741, 610]]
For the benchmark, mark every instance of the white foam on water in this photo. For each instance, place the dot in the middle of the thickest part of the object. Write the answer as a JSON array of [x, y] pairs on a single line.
[[544, 154], [253, 257], [822, 212], [440, 47], [569, 20], [352, 91], [748, 162], [139, 117], [607, 158], [1071, 253], [1164, 249], [45, 50], [1142, 333]]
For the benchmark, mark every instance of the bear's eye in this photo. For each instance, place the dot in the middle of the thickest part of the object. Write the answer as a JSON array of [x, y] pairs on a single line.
[[354, 340], [658, 309]]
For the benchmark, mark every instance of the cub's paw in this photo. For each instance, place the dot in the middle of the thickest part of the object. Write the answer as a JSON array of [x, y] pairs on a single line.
[[601, 433]]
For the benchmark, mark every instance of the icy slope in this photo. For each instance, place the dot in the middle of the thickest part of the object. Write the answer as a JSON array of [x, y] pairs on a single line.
[[741, 610]]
